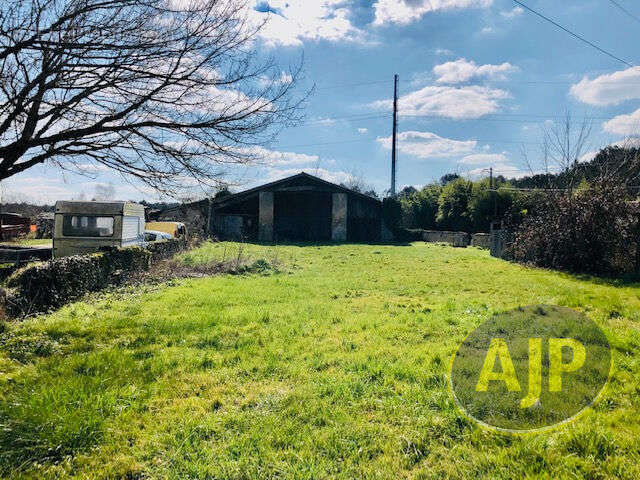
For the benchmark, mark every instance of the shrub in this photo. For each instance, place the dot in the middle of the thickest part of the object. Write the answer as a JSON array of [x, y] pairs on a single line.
[[43, 286], [591, 230], [420, 208], [453, 212]]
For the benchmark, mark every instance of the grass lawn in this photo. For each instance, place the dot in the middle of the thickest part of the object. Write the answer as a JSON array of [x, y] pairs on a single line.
[[334, 368], [31, 242]]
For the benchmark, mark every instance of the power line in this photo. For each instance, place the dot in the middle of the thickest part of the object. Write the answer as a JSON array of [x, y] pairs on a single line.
[[627, 12], [338, 142], [354, 118], [358, 140], [522, 118], [346, 85], [573, 34]]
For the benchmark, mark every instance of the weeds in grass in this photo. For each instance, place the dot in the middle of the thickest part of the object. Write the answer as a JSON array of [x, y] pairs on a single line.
[[336, 369]]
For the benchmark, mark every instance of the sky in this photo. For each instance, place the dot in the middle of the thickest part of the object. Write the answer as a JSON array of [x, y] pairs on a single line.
[[478, 82]]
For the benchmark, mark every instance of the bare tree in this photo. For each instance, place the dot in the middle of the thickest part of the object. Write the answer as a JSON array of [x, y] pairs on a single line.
[[358, 183], [166, 91], [564, 143]]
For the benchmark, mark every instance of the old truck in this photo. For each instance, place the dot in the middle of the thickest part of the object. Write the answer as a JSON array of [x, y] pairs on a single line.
[[88, 227]]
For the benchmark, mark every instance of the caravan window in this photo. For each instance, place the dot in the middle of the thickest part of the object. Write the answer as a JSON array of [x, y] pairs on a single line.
[[87, 226]]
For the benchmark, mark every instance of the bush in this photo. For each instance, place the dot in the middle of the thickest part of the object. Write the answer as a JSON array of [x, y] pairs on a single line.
[[592, 230], [420, 208], [162, 250], [453, 206], [43, 286]]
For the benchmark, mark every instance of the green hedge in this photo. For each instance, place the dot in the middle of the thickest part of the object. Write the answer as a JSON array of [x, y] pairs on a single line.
[[44, 286], [162, 250]]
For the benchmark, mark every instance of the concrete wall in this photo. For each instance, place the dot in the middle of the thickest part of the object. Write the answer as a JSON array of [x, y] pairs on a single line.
[[265, 217], [339, 217], [481, 240], [457, 239]]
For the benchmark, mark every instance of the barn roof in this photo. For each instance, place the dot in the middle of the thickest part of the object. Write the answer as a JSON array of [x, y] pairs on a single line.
[[302, 175]]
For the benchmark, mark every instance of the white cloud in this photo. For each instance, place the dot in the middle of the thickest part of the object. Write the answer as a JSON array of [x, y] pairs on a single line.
[[325, 122], [275, 158], [363, 131], [487, 31], [406, 11], [587, 157], [463, 70], [307, 20], [443, 52], [610, 89], [429, 145], [451, 102], [515, 12], [284, 79], [624, 124]]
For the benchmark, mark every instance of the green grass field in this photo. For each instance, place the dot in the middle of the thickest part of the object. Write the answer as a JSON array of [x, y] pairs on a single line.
[[335, 367], [31, 242]]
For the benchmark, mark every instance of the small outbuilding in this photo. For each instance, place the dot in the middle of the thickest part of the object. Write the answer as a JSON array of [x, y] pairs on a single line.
[[301, 208]]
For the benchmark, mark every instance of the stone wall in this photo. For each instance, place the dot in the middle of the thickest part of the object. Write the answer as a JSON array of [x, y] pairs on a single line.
[[481, 240], [457, 239]]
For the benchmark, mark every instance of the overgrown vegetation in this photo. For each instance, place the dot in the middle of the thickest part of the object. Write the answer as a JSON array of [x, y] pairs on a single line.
[[456, 204], [335, 368], [42, 286], [594, 230]]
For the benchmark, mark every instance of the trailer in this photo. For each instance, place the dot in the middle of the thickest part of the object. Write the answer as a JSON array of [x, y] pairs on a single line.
[[88, 227]]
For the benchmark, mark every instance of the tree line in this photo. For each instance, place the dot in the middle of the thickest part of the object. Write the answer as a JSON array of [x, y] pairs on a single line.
[[456, 203]]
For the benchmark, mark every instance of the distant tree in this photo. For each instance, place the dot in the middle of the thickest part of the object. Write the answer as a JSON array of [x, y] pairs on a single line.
[[371, 193], [420, 209], [449, 177], [453, 205], [407, 191], [221, 193], [486, 205], [163, 91], [357, 183]]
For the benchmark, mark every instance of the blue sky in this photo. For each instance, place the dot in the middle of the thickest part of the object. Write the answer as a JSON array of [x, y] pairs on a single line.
[[478, 80]]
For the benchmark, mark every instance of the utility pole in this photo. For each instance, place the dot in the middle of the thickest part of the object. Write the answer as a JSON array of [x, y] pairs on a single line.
[[394, 136], [494, 193]]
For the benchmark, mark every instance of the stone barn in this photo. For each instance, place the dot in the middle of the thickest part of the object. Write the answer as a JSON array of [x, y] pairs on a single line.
[[196, 216], [301, 208]]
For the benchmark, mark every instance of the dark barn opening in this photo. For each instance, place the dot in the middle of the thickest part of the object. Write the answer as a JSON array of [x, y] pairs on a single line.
[[302, 208], [302, 216]]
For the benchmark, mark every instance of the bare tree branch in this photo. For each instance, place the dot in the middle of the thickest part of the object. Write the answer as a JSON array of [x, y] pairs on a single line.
[[166, 91]]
